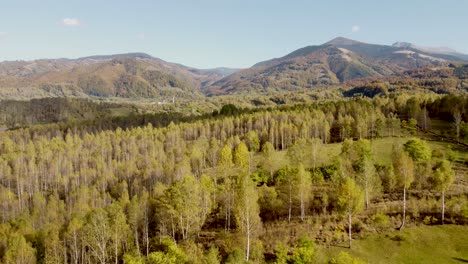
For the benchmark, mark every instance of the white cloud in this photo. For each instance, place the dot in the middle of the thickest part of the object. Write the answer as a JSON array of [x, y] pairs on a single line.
[[355, 29], [71, 22], [3, 34]]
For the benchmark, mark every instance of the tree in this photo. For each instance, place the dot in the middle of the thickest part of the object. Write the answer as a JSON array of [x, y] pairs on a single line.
[[360, 155], [421, 154], [97, 235], [303, 252], [418, 150], [241, 156], [304, 187], [368, 180], [19, 251], [119, 228], [442, 178], [404, 171], [297, 153], [270, 160], [247, 211], [350, 201], [252, 141], [135, 216], [286, 178], [73, 231], [185, 200], [457, 120], [225, 160], [316, 147]]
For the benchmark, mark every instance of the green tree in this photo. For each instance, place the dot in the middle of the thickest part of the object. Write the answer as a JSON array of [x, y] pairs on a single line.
[[252, 141], [185, 200], [304, 188], [368, 180], [316, 144], [241, 156], [297, 153], [350, 201], [97, 235], [270, 160], [212, 256], [457, 121], [404, 171], [442, 178], [118, 227], [303, 252], [225, 160], [19, 251], [418, 150], [247, 211], [73, 235]]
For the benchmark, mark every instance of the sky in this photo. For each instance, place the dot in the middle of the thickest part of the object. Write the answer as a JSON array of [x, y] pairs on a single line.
[[219, 33]]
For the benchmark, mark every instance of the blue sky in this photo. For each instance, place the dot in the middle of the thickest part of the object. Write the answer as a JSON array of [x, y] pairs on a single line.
[[209, 33]]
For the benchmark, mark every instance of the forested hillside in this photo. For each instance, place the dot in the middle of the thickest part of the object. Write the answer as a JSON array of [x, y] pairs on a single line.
[[338, 61], [134, 75], [278, 184]]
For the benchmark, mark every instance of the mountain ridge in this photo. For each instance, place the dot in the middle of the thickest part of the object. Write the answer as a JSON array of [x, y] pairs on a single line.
[[139, 74], [330, 63], [116, 75]]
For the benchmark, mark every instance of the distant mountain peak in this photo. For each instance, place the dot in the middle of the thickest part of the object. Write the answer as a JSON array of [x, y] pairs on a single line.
[[437, 50], [139, 55], [402, 44], [342, 41]]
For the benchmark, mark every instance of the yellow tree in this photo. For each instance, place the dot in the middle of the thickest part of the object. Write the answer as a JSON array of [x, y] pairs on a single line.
[[247, 211], [404, 171], [442, 178], [304, 187], [350, 201]]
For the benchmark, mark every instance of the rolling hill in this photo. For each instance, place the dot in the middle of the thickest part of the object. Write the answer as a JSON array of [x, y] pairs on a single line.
[[331, 63], [139, 75], [133, 75]]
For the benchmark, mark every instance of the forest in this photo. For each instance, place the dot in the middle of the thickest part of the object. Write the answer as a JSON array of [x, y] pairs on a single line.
[[275, 184]]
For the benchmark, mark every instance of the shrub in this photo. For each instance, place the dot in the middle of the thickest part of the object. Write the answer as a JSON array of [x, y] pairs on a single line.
[[212, 256], [437, 153], [399, 237], [380, 220], [304, 252], [237, 256], [345, 258]]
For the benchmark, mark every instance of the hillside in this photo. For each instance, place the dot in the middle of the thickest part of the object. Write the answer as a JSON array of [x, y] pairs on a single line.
[[139, 75], [134, 75], [331, 63]]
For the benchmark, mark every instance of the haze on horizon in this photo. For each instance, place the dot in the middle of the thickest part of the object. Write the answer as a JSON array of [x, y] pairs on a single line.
[[209, 33]]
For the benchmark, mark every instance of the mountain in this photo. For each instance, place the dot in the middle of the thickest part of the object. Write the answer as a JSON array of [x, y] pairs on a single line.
[[132, 75], [434, 50], [331, 63]]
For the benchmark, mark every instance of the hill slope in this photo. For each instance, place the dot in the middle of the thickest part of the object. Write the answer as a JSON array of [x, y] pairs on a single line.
[[121, 75], [331, 63]]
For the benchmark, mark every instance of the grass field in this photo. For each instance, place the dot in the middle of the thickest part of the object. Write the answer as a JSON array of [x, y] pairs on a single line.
[[382, 149], [423, 244]]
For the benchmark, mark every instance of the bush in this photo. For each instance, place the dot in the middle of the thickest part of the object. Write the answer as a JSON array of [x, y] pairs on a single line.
[[212, 256], [345, 258], [437, 153], [236, 256], [399, 237], [304, 252], [256, 251], [281, 253], [380, 220]]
